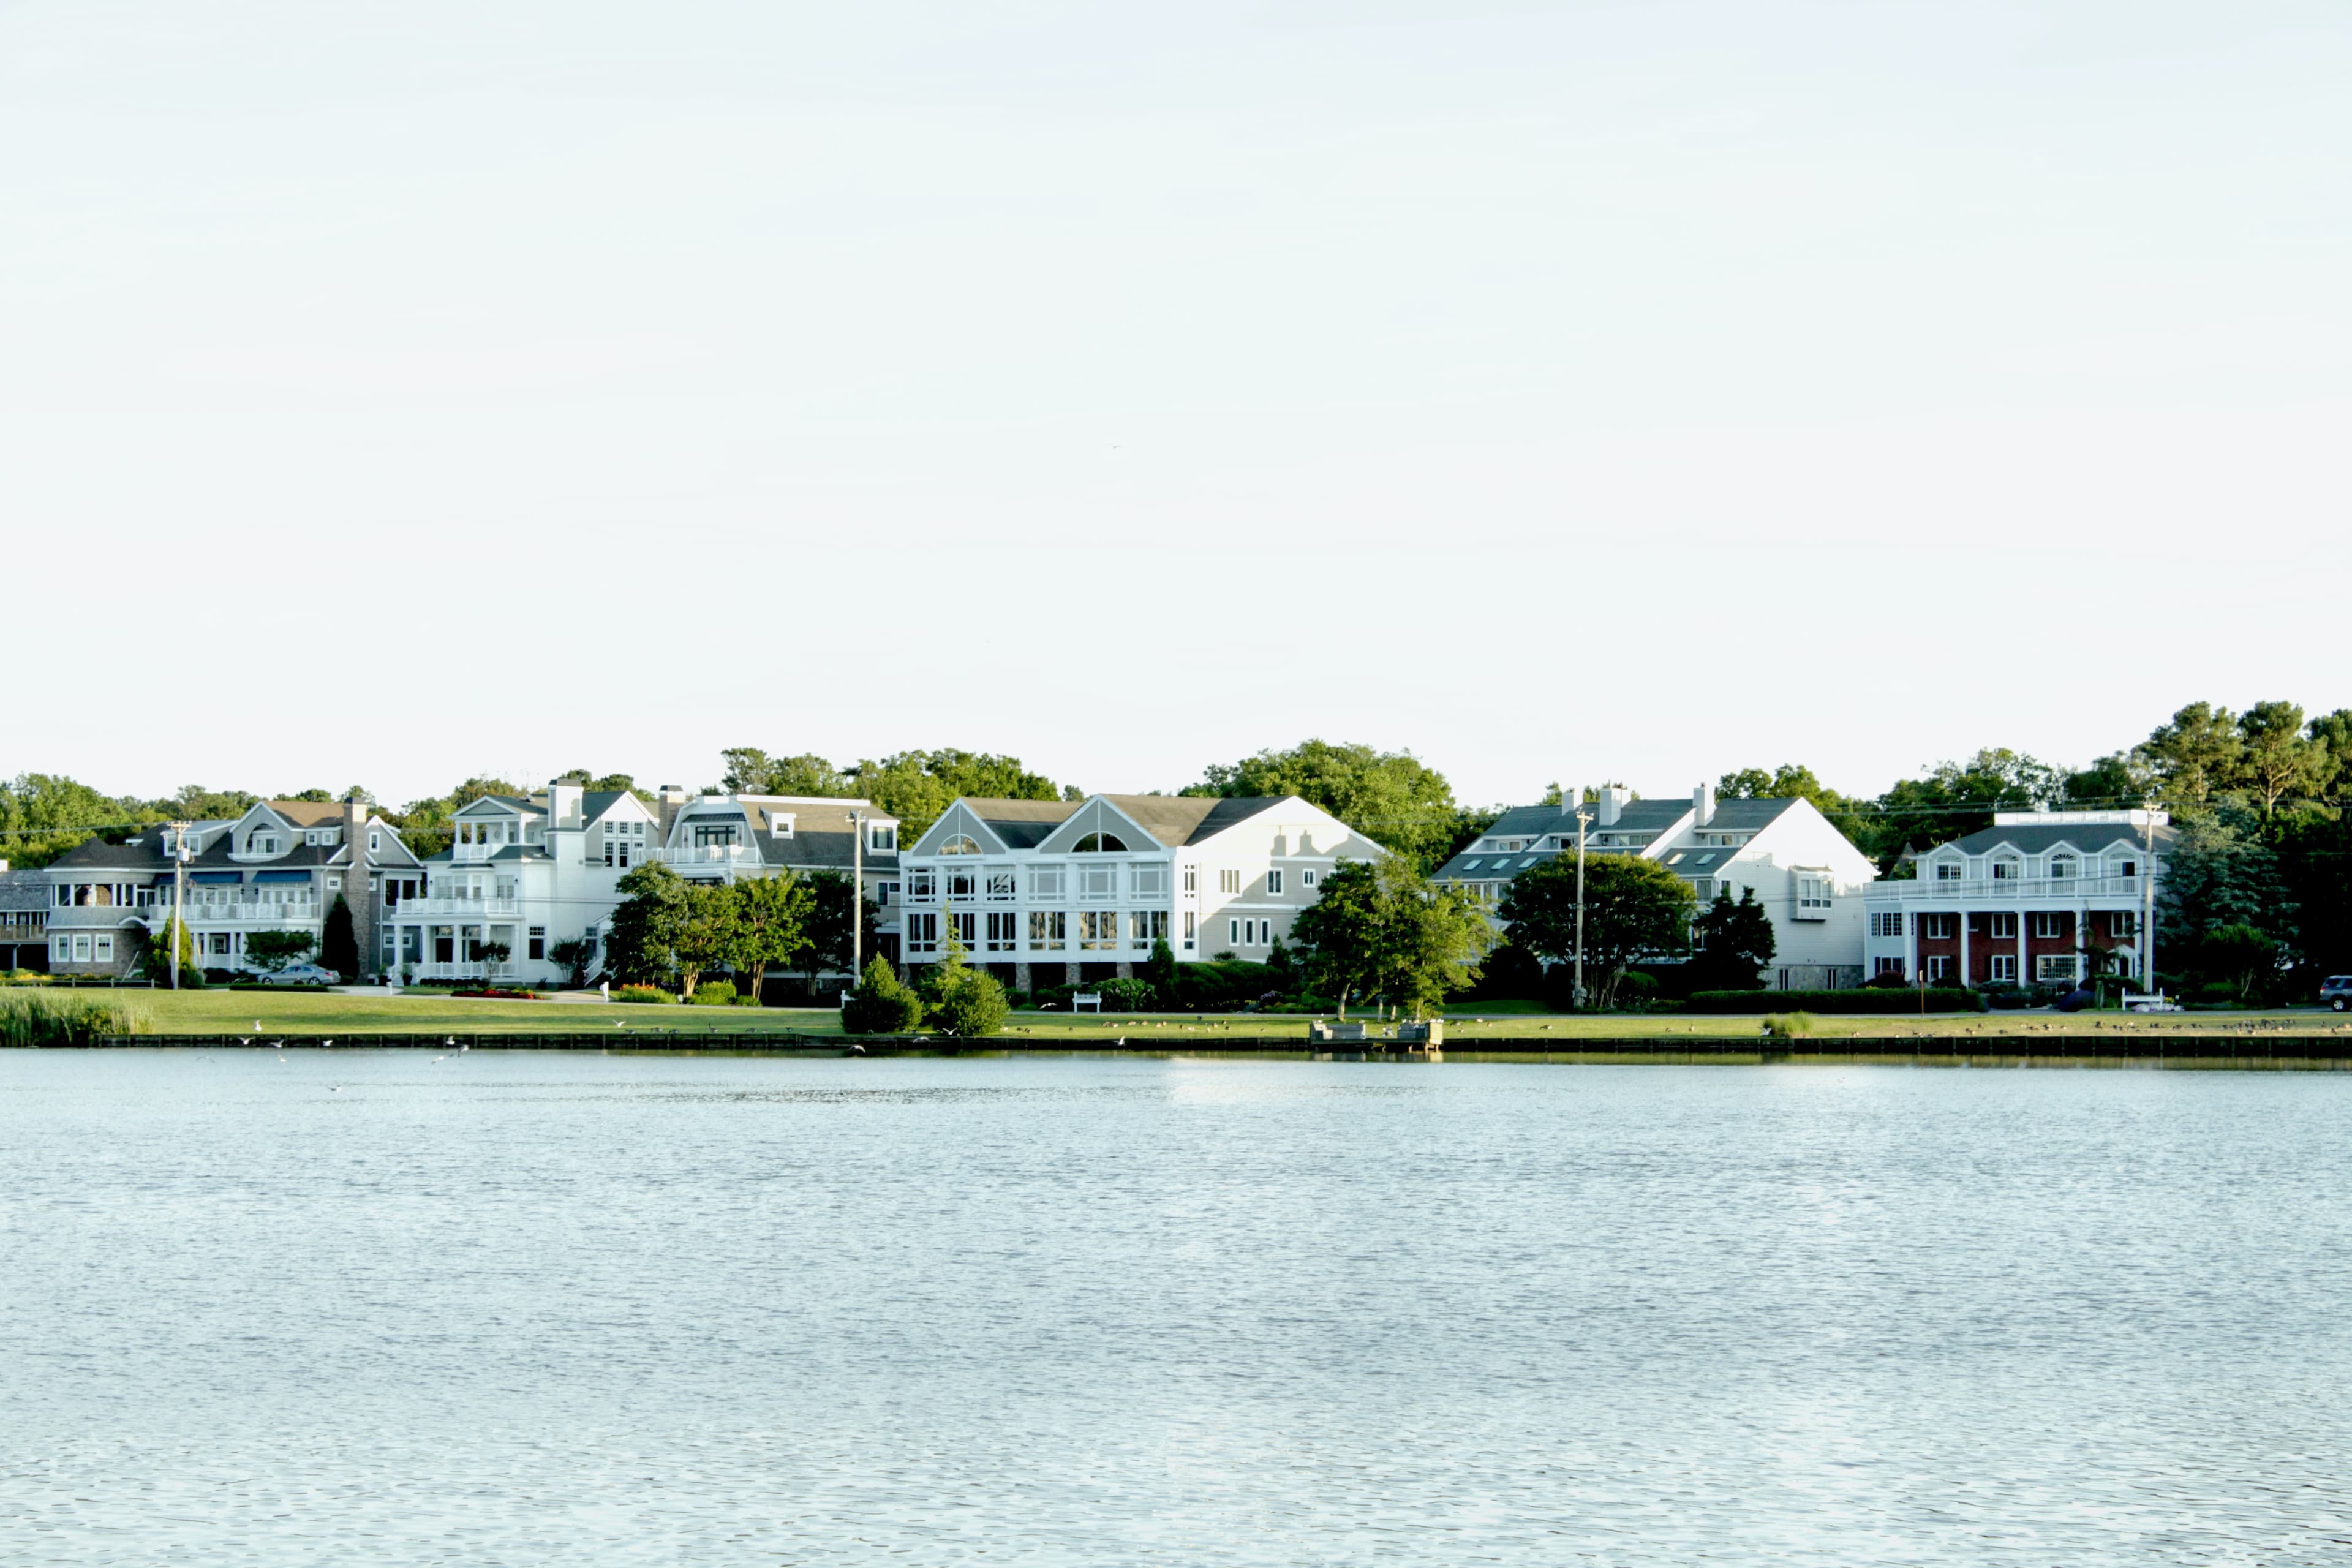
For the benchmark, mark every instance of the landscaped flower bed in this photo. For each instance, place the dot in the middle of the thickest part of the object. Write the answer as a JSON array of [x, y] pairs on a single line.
[[501, 993]]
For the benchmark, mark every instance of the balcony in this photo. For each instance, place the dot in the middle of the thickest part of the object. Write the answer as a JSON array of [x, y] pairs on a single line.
[[2007, 890], [710, 854], [453, 909], [478, 854], [307, 913]]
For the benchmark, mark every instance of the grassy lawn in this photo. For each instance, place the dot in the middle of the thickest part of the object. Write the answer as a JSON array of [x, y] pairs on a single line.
[[237, 1012]]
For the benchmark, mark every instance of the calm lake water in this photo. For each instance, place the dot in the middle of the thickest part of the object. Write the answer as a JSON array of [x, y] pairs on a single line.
[[522, 1308]]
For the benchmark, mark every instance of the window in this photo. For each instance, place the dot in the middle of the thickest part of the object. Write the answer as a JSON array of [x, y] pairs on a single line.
[[1888, 966], [1001, 885], [2005, 870], [261, 844], [445, 944], [960, 843], [1047, 883], [1098, 881], [2124, 923], [1886, 924], [1813, 896], [2004, 967], [2054, 966], [962, 883], [967, 930], [1102, 844], [1274, 883], [1229, 881], [923, 932], [375, 841], [1151, 879], [1471, 864], [780, 823], [2130, 868], [2048, 923], [103, 949], [882, 840], [1949, 870], [1704, 886], [223, 944], [1307, 878], [709, 835], [886, 892], [1145, 927], [1098, 930], [1938, 928], [920, 886], [2060, 866], [1191, 937], [1003, 931], [537, 942], [1233, 932], [2001, 927], [1192, 879], [1049, 931], [1939, 967]]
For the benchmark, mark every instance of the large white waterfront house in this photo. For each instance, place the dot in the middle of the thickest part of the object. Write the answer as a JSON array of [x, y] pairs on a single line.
[[1052, 892], [2041, 898], [280, 866], [1809, 876], [524, 874]]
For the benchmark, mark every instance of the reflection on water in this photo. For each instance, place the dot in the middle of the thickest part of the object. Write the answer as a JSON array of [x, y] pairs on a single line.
[[567, 1308]]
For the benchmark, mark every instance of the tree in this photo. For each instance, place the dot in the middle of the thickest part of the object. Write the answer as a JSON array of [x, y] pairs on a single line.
[[767, 925], [2194, 757], [1393, 799], [1733, 944], [967, 1003], [707, 935], [195, 802], [2331, 733], [1383, 931], [620, 784], [1633, 909], [916, 787], [48, 813], [339, 946], [880, 1005], [1954, 799], [1160, 973], [314, 795], [2219, 873], [424, 824], [750, 770], [155, 962], [830, 899], [2276, 759], [2239, 956], [271, 950], [647, 924], [573, 953]]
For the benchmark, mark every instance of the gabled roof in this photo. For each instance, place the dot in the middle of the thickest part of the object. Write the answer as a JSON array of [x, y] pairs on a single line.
[[2039, 839], [595, 803], [1179, 819], [309, 813], [1745, 815], [1022, 823]]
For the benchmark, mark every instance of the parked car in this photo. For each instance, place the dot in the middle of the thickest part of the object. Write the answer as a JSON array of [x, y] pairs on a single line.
[[303, 974], [2336, 992]]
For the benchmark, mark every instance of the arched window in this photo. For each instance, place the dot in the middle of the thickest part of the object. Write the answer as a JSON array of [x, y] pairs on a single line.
[[960, 845], [1102, 844]]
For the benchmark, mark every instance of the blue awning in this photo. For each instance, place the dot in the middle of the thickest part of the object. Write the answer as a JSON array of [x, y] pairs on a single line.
[[281, 876], [215, 875]]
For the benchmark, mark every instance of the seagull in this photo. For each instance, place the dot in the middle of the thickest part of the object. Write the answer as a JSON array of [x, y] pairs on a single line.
[[325, 1044], [438, 1061], [245, 1039], [256, 1025]]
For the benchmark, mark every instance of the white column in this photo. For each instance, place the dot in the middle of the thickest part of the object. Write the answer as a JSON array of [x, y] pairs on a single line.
[[2024, 970], [1912, 919], [1966, 969]]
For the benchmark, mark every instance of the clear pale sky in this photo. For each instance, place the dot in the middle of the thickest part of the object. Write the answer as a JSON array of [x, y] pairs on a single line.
[[390, 393]]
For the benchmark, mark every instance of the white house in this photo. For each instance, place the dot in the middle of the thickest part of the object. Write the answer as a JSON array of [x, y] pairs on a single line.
[[1049, 892], [727, 838], [280, 866], [2036, 899], [1808, 876]]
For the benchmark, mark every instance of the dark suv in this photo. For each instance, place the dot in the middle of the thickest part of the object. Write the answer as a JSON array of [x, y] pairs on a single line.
[[2336, 992]]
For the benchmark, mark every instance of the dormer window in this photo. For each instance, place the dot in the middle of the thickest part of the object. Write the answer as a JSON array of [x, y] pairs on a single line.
[[882, 838], [1948, 870], [780, 823], [2006, 870], [261, 844], [2060, 866]]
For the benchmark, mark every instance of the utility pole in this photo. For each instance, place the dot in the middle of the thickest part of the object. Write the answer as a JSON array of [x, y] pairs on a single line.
[[1582, 819], [2148, 898], [179, 896], [856, 896]]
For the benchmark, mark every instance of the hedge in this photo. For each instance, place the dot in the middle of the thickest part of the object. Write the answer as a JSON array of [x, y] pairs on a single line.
[[1939, 998]]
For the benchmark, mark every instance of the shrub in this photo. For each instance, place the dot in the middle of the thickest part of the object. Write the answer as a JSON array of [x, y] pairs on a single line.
[[972, 1002], [1939, 999], [502, 992], [653, 993], [1126, 995], [881, 1005], [1789, 1025], [714, 994], [50, 1018]]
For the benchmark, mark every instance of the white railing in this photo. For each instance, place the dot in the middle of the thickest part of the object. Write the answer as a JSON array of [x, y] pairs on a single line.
[[476, 970], [1974, 890], [420, 909], [307, 912], [710, 854]]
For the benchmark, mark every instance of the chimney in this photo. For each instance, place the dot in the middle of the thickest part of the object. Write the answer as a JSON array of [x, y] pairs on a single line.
[[673, 801], [1703, 805], [1613, 800], [564, 804], [360, 891]]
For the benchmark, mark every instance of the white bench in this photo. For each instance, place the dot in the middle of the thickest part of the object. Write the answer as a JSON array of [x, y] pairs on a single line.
[[1085, 999]]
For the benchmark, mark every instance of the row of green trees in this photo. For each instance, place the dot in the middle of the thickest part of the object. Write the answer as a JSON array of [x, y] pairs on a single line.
[[669, 932]]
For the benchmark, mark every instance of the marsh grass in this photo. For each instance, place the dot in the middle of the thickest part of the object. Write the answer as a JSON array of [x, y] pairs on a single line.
[[1789, 1025], [38, 1016]]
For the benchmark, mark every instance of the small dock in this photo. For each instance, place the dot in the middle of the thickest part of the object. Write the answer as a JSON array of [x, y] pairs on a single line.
[[1373, 1043]]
